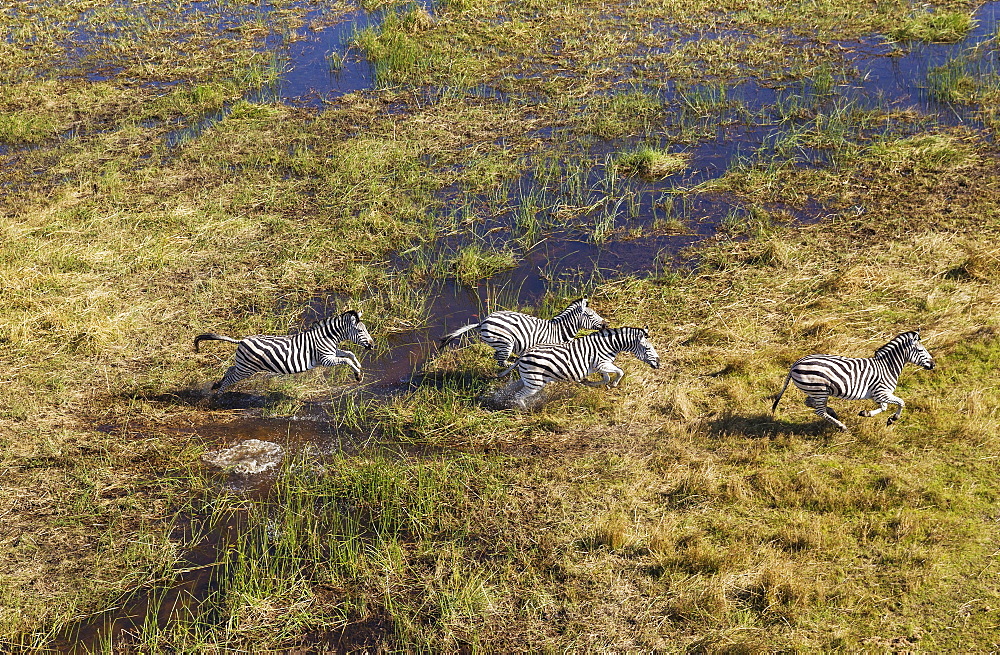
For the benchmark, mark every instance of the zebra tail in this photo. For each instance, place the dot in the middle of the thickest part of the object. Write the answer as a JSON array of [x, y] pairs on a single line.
[[781, 393], [212, 337], [451, 337]]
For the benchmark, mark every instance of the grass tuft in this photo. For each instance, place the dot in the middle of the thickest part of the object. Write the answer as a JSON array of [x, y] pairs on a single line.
[[652, 163], [934, 27]]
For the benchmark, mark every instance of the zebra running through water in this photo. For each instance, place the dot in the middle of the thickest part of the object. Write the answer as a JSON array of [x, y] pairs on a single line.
[[513, 333], [857, 378], [296, 353], [577, 359]]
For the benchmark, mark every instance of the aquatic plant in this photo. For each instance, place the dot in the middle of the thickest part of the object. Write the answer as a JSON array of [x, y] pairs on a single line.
[[652, 163], [934, 26]]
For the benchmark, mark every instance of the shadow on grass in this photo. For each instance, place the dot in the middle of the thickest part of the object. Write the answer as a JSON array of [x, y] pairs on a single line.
[[458, 380], [765, 425], [226, 400]]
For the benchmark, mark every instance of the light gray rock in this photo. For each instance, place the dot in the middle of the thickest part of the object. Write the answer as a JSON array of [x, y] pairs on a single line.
[[248, 457]]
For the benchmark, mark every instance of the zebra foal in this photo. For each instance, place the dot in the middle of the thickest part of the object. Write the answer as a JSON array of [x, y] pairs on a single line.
[[577, 359], [857, 378], [513, 333], [315, 346]]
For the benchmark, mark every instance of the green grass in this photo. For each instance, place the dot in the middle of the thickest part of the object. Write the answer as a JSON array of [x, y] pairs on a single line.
[[652, 162], [395, 50], [473, 263], [934, 26]]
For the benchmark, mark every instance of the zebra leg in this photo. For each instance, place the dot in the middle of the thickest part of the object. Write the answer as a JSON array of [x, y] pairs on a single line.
[[353, 363], [342, 358], [527, 391], [872, 412], [610, 369], [605, 379], [611, 375], [819, 405], [898, 402], [811, 404], [350, 355], [503, 354], [232, 376]]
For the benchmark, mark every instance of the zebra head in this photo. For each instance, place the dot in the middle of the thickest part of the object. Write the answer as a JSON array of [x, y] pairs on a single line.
[[355, 330], [580, 316], [590, 320], [643, 348], [906, 347], [916, 353]]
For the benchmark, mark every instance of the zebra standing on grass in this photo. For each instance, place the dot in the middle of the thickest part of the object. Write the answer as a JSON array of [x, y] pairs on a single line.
[[316, 346], [857, 378], [512, 333], [577, 359]]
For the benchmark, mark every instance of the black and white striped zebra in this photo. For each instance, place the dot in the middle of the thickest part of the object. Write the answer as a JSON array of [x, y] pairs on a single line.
[[316, 346], [577, 359], [857, 378], [513, 333]]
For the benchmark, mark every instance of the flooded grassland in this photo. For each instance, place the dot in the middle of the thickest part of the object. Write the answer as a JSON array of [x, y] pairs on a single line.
[[755, 181]]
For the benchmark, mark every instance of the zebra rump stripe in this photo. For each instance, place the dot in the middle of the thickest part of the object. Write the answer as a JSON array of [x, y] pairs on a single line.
[[577, 359], [316, 346], [857, 378], [513, 333]]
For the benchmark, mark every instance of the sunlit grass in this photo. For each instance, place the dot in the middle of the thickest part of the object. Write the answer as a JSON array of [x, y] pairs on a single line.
[[935, 26], [652, 162]]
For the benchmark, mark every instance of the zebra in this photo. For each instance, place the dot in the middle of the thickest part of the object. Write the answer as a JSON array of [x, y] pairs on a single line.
[[316, 346], [857, 378], [575, 360], [513, 333]]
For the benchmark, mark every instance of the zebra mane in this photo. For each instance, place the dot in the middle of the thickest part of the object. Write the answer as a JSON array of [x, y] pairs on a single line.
[[898, 341], [571, 309], [331, 321], [623, 330]]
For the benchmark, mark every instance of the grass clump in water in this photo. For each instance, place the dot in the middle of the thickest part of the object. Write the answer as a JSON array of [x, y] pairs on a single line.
[[652, 163], [934, 27], [623, 113], [395, 51], [474, 263], [951, 83], [26, 127]]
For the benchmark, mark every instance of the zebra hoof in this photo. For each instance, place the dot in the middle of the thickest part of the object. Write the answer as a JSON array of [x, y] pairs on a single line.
[[863, 413], [890, 421]]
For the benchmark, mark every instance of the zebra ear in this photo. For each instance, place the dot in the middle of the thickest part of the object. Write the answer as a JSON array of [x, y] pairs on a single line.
[[355, 313], [646, 330]]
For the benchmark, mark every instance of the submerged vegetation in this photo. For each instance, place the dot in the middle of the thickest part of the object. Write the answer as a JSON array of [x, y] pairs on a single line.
[[730, 177]]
